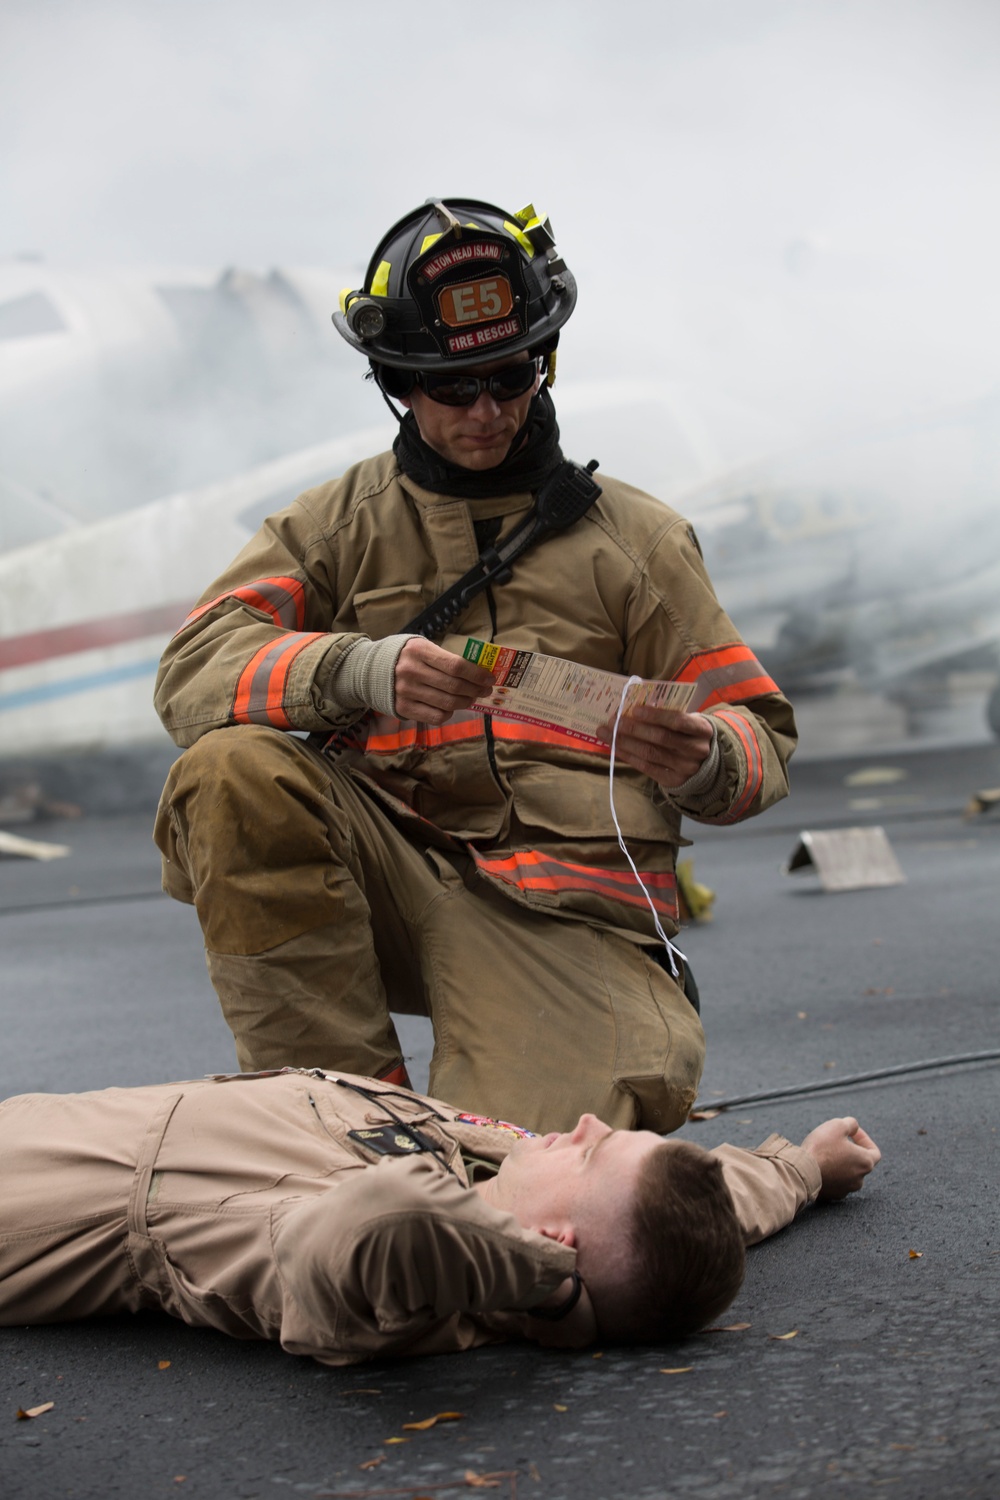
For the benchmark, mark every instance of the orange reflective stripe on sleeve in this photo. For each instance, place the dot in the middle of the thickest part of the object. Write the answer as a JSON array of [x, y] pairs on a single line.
[[531, 870], [729, 675], [284, 599], [746, 734], [260, 692]]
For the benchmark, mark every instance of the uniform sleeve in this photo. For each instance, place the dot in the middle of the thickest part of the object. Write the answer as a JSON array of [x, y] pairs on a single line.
[[675, 602], [260, 646], [770, 1185], [404, 1259]]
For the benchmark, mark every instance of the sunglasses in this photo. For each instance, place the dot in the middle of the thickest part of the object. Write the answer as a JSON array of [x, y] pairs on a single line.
[[463, 390]]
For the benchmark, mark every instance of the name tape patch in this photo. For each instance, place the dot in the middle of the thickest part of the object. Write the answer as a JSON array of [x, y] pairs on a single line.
[[387, 1140]]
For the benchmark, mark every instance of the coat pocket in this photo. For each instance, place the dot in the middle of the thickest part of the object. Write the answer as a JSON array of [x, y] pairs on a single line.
[[383, 612], [577, 805]]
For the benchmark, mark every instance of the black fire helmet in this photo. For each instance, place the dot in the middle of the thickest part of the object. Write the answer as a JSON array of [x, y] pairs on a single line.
[[458, 283]]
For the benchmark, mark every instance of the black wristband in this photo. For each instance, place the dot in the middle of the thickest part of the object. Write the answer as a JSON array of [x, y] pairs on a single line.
[[564, 1308]]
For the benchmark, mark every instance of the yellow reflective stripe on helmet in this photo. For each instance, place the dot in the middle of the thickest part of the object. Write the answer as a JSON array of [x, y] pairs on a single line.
[[522, 239], [526, 214], [380, 281], [345, 296]]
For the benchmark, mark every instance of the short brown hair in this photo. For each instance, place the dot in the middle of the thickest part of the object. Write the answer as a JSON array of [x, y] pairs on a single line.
[[687, 1260]]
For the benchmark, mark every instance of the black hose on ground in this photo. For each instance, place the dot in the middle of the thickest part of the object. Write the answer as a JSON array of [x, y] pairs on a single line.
[[707, 1108]]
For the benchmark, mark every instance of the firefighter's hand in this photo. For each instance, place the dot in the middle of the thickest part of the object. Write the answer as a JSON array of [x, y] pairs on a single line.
[[665, 743], [845, 1154], [431, 684]]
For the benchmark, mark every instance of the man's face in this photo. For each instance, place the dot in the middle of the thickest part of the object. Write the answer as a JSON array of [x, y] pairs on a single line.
[[585, 1177], [478, 436]]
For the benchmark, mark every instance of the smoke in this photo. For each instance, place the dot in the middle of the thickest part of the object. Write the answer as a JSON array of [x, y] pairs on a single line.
[[781, 213]]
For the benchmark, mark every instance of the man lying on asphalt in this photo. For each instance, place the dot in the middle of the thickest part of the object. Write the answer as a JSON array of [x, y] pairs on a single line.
[[349, 1219]]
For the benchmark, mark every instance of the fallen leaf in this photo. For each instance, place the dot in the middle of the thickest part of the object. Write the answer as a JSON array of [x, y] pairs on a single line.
[[164, 1364], [793, 1335], [704, 1114], [363, 1390], [397, 1440], [442, 1416], [914, 1255], [722, 1413], [34, 1411], [678, 1370], [533, 1472], [830, 1065], [802, 1014], [727, 1328], [557, 1407], [373, 1463], [481, 1481], [598, 1355], [903, 1447]]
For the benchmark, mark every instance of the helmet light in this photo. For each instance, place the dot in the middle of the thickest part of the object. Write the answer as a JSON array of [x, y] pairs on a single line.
[[365, 319]]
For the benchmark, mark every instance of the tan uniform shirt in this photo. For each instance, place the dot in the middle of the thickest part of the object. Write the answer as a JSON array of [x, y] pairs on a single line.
[[248, 1205]]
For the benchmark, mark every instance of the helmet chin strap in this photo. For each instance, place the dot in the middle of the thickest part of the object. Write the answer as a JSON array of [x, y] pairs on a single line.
[[400, 416]]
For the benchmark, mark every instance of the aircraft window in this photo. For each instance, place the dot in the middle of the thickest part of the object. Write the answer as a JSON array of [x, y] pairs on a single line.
[[26, 317]]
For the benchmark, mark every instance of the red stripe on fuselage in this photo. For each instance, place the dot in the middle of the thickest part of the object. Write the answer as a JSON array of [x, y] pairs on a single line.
[[90, 635]]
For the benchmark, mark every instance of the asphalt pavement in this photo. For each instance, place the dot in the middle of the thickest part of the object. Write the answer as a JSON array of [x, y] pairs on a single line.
[[870, 1356]]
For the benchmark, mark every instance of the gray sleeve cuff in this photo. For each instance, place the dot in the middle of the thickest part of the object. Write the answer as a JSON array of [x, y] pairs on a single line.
[[365, 676]]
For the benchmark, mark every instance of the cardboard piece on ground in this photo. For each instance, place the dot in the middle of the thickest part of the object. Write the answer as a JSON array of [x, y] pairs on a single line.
[[12, 843], [847, 859]]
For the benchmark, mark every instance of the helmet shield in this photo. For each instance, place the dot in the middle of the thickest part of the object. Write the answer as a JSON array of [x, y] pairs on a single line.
[[454, 284], [471, 293]]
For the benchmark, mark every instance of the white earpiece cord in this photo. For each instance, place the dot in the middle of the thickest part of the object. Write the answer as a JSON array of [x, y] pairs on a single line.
[[673, 953]]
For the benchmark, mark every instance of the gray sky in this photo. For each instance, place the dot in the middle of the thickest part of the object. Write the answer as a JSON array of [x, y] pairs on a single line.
[[787, 207]]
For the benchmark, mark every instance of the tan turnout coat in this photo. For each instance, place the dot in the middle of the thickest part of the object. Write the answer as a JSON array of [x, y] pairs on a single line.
[[624, 590]]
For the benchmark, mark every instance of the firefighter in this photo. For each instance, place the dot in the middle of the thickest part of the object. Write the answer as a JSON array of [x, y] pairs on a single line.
[[408, 852]]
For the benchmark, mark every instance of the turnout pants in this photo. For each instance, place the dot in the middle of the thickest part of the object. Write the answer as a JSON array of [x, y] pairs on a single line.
[[321, 914]]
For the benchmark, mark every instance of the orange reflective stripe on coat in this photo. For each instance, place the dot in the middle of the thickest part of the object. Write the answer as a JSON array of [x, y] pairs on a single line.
[[530, 870], [729, 675], [284, 599], [260, 692], [747, 736], [390, 736], [538, 734]]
